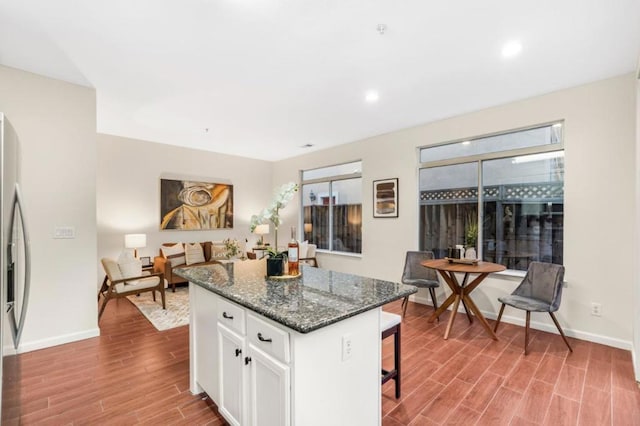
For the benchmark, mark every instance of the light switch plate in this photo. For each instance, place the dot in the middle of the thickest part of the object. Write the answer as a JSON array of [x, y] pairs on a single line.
[[64, 232]]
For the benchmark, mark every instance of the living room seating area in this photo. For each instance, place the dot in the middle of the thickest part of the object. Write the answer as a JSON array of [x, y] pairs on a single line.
[[175, 255]]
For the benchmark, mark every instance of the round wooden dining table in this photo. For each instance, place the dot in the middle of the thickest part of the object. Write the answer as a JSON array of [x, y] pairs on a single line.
[[461, 291]]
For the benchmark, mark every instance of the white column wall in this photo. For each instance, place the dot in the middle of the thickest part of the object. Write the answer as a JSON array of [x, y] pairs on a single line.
[[636, 276], [599, 201], [56, 125]]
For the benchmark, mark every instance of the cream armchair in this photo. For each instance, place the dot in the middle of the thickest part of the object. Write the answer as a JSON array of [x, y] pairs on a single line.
[[116, 285], [308, 254]]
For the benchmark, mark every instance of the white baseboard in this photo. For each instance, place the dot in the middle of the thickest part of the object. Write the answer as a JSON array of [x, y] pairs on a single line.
[[55, 341], [421, 300], [550, 328]]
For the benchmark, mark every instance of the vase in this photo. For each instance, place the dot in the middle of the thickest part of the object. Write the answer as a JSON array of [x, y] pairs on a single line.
[[470, 253], [275, 267]]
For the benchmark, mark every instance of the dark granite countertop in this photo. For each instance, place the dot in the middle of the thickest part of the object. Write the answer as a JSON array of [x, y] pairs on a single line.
[[319, 297]]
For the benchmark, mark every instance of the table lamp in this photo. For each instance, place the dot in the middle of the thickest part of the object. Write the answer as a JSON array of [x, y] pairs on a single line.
[[261, 230], [135, 241]]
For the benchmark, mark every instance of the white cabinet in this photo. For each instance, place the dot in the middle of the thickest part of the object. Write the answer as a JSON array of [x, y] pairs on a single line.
[[204, 350], [270, 388], [231, 402], [262, 373], [232, 316], [254, 385], [269, 379], [268, 338]]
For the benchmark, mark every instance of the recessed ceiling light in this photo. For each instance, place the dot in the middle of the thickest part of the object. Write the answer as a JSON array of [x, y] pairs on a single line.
[[371, 96], [466, 143], [511, 49]]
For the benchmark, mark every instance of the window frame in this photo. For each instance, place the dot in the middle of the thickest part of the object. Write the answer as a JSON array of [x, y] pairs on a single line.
[[329, 180], [480, 158]]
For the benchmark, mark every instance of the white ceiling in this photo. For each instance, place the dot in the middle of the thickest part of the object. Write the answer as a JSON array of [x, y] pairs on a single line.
[[267, 76]]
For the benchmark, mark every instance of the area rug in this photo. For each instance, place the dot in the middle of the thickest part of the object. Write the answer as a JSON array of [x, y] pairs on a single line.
[[176, 314]]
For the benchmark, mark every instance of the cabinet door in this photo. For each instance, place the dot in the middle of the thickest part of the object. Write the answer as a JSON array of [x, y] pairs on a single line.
[[269, 382], [206, 343], [231, 368]]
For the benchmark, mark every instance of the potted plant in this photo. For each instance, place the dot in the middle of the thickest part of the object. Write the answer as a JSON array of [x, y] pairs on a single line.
[[232, 248], [283, 194], [275, 262], [471, 236]]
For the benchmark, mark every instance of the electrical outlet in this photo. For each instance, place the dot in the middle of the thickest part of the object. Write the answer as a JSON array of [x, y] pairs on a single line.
[[347, 347], [596, 309]]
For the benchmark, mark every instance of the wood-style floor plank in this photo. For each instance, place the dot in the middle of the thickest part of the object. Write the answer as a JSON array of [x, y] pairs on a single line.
[[133, 374], [594, 385]]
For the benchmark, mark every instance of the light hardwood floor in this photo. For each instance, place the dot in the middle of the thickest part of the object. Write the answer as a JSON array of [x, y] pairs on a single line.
[[134, 374]]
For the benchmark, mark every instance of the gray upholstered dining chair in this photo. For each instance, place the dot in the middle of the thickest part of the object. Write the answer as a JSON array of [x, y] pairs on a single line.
[[539, 291], [417, 275]]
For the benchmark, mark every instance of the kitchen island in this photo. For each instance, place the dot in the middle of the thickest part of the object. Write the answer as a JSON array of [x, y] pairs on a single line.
[[302, 351]]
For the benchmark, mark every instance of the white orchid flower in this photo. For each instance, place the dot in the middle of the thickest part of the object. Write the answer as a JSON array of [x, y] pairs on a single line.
[[282, 196]]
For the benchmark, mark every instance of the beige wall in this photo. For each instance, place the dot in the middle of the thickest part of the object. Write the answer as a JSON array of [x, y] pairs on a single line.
[[599, 201], [56, 125], [128, 189]]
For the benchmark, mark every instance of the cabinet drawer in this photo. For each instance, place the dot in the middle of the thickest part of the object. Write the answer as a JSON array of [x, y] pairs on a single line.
[[232, 316], [269, 338]]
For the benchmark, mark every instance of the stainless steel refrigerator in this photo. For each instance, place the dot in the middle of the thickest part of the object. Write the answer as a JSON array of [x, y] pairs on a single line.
[[14, 270]]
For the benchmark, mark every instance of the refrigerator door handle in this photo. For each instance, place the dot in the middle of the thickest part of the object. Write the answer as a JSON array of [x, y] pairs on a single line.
[[17, 328]]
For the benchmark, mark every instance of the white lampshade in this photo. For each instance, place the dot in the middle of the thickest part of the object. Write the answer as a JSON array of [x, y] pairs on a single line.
[[135, 241], [262, 229]]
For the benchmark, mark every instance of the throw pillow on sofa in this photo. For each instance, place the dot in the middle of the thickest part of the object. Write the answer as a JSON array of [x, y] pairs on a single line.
[[193, 253], [174, 253], [218, 251]]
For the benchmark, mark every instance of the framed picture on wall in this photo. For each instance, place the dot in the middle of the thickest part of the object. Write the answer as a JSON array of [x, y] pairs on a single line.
[[188, 205], [385, 198]]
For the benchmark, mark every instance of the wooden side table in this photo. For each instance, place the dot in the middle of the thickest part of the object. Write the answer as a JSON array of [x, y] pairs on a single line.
[[262, 251]]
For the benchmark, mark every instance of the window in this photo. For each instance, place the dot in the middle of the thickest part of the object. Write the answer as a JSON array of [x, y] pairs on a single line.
[[332, 207], [502, 195]]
